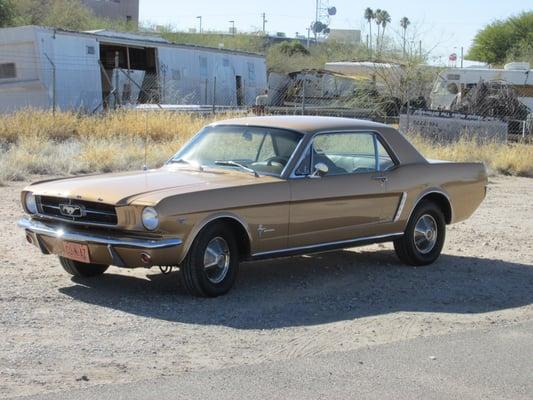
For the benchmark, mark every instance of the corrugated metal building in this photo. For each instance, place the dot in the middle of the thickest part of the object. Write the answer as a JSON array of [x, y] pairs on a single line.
[[40, 67]]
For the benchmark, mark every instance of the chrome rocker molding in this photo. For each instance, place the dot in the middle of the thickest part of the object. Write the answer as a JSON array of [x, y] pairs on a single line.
[[316, 248], [40, 228]]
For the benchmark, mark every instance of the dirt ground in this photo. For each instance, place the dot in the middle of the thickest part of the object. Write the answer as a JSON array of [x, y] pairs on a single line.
[[60, 333]]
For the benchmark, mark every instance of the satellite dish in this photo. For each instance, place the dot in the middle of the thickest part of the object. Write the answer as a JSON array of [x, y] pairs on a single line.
[[332, 10], [318, 27]]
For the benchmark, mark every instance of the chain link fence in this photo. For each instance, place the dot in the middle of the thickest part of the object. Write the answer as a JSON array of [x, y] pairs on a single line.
[[383, 93]]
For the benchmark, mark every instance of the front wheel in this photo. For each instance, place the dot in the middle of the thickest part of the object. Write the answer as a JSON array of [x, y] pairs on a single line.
[[424, 236], [82, 270], [211, 266]]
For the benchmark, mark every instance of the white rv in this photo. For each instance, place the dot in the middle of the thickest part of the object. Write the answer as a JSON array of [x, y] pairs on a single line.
[[453, 83], [42, 67]]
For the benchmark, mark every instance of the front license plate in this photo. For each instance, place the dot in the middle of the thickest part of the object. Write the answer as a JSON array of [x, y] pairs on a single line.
[[77, 252]]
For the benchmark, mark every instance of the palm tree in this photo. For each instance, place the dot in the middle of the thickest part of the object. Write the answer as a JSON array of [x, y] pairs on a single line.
[[369, 16], [377, 19], [385, 19], [404, 23]]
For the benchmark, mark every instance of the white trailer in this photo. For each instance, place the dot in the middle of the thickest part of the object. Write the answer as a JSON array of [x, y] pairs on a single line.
[[453, 83], [89, 71]]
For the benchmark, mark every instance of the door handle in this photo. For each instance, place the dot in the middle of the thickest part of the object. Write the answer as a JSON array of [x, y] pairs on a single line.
[[381, 179]]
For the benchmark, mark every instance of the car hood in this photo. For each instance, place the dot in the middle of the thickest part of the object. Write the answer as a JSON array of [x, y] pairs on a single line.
[[125, 188]]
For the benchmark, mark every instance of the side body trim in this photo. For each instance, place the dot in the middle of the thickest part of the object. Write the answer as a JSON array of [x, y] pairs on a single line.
[[326, 246], [400, 207]]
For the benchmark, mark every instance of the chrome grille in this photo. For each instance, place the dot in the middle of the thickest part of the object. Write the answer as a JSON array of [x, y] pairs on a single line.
[[93, 212]]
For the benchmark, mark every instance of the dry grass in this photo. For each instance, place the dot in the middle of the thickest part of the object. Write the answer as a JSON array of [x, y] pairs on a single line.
[[35, 142], [512, 159]]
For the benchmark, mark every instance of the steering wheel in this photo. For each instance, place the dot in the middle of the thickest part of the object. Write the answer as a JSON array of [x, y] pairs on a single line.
[[282, 161]]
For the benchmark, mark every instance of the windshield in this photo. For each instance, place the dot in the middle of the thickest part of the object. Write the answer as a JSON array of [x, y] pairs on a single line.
[[264, 150]]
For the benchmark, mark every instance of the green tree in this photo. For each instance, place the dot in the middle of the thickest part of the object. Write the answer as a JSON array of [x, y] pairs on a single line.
[[378, 20], [6, 12], [30, 12], [69, 14], [385, 20], [293, 48], [404, 23], [369, 16], [500, 40]]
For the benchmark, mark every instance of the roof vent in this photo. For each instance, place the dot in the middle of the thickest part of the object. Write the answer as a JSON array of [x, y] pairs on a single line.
[[516, 66]]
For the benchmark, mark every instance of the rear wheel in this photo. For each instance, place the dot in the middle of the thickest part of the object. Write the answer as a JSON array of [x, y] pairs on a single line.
[[82, 270], [211, 266], [424, 236]]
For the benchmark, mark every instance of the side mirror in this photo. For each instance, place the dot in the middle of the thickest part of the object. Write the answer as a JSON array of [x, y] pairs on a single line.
[[321, 170]]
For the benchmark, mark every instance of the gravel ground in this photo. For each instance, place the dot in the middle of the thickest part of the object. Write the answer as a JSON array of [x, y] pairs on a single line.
[[60, 333]]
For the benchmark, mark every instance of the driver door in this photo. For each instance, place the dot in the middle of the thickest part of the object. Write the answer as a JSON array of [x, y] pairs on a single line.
[[346, 203]]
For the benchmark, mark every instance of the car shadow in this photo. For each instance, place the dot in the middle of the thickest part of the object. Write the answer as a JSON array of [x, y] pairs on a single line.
[[317, 289]]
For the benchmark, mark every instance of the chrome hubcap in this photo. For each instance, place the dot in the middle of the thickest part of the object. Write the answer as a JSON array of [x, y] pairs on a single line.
[[425, 233], [216, 260]]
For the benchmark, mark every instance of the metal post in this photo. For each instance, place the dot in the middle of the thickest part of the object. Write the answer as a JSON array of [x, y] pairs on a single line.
[[316, 20], [200, 18], [408, 115], [206, 87], [303, 97], [117, 66], [54, 90], [128, 97], [462, 56], [214, 93], [264, 23]]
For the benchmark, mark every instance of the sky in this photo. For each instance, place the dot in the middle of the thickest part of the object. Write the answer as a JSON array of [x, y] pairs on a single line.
[[443, 26]]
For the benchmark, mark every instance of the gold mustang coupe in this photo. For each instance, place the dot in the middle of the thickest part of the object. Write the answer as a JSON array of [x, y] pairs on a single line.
[[252, 188]]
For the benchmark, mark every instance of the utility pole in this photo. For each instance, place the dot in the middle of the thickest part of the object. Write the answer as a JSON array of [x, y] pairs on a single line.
[[316, 19], [462, 56], [420, 49], [264, 23], [200, 18], [308, 36], [232, 22]]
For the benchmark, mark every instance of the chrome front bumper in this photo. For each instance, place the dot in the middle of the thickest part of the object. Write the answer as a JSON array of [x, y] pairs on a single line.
[[42, 232]]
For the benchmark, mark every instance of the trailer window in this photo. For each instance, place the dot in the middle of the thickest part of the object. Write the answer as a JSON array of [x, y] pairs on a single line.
[[8, 71], [251, 73]]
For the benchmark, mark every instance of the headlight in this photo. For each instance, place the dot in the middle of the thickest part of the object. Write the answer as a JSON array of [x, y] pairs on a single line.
[[31, 205], [150, 218]]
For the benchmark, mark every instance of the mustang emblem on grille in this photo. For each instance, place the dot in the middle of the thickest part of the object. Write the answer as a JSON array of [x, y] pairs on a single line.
[[71, 210]]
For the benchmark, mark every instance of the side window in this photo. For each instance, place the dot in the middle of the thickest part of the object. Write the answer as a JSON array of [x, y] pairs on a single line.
[[304, 168], [384, 159], [346, 153]]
